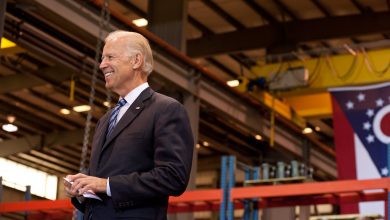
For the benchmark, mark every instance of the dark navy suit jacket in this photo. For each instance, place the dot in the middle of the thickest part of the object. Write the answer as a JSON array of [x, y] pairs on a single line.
[[148, 158]]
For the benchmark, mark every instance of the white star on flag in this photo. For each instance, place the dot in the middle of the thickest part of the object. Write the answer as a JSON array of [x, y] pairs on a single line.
[[384, 171], [361, 97], [366, 125], [370, 138], [349, 105], [379, 102], [370, 113]]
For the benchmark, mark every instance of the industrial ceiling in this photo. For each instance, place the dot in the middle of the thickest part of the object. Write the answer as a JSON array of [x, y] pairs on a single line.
[[226, 39]]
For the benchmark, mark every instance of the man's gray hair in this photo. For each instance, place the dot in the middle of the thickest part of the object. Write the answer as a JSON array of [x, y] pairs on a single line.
[[136, 43]]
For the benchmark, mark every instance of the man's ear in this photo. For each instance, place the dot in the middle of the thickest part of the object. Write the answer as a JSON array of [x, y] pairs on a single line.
[[137, 61]]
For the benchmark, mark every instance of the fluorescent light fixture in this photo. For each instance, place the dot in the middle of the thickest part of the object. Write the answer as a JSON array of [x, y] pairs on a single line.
[[233, 83], [65, 111], [205, 143], [142, 22], [82, 108], [5, 43], [10, 127], [307, 130], [258, 137]]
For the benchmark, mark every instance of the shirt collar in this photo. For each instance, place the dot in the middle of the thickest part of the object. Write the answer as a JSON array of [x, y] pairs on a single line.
[[133, 95]]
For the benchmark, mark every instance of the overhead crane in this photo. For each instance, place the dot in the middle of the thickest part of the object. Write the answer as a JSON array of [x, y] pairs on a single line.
[[360, 68]]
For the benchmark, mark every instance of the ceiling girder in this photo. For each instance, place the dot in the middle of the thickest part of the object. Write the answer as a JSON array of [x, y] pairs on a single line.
[[226, 16], [219, 98], [27, 143], [261, 11], [16, 82], [292, 32]]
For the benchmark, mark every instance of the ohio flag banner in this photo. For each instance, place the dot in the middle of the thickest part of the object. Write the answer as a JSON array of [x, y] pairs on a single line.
[[361, 121]]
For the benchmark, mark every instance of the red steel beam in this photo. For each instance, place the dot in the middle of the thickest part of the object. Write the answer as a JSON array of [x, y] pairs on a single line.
[[343, 198], [319, 188], [209, 195], [36, 205], [333, 192], [212, 195]]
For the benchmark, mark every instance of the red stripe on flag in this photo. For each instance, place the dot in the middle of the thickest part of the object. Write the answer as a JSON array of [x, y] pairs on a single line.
[[345, 151]]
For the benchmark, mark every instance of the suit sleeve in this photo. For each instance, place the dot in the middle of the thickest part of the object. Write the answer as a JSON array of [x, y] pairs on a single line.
[[78, 205], [173, 149]]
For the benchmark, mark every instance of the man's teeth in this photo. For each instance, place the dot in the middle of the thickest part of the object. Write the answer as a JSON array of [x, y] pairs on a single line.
[[108, 74]]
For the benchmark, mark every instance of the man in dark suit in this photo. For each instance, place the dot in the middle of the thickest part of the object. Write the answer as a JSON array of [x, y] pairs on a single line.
[[142, 149]]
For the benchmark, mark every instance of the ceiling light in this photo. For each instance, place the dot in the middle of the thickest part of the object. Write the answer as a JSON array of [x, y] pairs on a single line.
[[205, 143], [11, 118], [5, 43], [258, 137], [307, 130], [197, 146], [82, 108], [10, 127], [107, 104], [142, 22], [233, 83], [317, 128], [65, 111]]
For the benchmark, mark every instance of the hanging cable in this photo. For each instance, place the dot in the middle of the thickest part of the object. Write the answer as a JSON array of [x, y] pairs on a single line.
[[102, 23], [313, 76], [105, 26], [276, 76], [370, 65], [346, 75]]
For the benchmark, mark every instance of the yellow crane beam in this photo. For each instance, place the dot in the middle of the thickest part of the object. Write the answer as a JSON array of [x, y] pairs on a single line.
[[357, 68], [335, 71]]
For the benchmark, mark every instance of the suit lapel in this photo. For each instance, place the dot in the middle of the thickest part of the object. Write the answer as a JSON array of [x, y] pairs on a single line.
[[134, 110], [97, 147], [103, 130]]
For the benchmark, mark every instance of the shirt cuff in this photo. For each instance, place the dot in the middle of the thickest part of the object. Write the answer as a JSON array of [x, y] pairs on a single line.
[[108, 187]]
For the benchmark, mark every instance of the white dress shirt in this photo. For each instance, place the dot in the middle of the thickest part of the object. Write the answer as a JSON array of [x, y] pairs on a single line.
[[130, 98]]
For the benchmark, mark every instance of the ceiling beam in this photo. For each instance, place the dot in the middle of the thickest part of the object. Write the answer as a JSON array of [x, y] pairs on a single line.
[[285, 10], [322, 8], [261, 11], [226, 16], [292, 32], [24, 144], [16, 82]]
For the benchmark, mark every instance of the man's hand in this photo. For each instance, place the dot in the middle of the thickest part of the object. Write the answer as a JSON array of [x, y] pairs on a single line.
[[83, 183]]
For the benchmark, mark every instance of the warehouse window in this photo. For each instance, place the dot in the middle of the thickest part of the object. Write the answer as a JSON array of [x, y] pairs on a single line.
[[19, 176]]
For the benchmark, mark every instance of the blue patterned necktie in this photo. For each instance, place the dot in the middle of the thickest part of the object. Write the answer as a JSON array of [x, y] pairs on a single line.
[[114, 116]]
